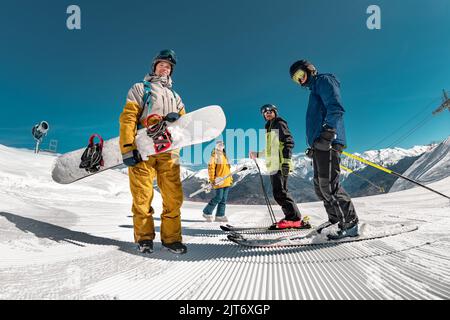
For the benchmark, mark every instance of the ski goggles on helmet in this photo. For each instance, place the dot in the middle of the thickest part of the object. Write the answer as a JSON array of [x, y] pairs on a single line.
[[298, 75], [167, 55], [268, 109]]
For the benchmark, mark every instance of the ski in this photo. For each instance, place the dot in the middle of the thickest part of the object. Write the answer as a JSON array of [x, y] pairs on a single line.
[[242, 233], [230, 228], [266, 229], [252, 230], [314, 238], [207, 187], [269, 229], [251, 234]]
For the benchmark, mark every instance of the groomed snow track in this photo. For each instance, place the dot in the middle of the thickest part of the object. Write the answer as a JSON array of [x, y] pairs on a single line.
[[388, 268]]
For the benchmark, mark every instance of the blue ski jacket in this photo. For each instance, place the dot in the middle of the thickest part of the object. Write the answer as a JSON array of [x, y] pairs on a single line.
[[325, 108]]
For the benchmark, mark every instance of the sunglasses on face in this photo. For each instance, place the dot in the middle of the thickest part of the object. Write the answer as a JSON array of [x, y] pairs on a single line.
[[298, 76]]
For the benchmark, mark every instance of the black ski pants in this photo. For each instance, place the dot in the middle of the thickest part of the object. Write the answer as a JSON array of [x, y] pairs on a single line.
[[283, 198], [337, 202]]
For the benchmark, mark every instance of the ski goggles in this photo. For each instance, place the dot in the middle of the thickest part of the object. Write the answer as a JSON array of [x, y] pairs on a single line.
[[168, 55], [298, 76], [267, 109]]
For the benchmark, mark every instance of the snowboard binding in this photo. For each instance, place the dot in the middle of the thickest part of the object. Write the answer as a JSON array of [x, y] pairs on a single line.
[[157, 131], [92, 158]]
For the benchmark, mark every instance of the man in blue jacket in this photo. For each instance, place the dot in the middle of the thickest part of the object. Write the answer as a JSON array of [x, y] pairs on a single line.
[[325, 134]]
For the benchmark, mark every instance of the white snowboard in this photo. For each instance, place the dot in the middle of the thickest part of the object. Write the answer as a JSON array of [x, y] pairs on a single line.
[[196, 127]]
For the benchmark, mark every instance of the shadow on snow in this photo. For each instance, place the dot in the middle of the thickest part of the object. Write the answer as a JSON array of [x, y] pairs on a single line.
[[196, 251]]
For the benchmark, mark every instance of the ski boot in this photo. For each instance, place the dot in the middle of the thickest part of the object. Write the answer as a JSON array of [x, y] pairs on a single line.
[[145, 246], [324, 225], [176, 247], [344, 233], [289, 224]]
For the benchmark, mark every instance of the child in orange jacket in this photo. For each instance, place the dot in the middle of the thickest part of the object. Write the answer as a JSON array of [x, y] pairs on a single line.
[[218, 167]]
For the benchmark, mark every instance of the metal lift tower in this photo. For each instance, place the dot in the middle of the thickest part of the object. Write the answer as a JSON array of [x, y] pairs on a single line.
[[445, 104]]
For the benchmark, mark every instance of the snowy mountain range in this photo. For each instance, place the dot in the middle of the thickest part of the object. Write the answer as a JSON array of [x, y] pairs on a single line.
[[364, 180]]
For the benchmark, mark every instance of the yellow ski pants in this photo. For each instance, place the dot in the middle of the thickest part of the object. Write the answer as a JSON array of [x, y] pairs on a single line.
[[165, 167]]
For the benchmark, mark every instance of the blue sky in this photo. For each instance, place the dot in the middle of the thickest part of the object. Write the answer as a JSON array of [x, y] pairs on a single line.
[[232, 53]]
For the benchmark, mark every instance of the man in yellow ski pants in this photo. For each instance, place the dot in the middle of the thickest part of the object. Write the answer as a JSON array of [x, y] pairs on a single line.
[[153, 96]]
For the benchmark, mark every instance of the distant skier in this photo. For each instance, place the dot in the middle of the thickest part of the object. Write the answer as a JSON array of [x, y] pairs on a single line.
[[326, 139], [278, 153], [153, 96], [218, 167]]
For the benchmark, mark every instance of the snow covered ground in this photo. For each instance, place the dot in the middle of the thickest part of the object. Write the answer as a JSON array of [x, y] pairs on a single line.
[[432, 166], [74, 242]]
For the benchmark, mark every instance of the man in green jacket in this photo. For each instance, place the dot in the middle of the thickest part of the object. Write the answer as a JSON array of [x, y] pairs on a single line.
[[278, 153]]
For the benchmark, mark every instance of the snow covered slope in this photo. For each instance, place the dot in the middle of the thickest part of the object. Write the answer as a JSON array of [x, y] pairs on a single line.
[[75, 242], [432, 166]]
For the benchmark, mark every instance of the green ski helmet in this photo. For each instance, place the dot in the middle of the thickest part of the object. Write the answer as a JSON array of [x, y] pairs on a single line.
[[166, 55]]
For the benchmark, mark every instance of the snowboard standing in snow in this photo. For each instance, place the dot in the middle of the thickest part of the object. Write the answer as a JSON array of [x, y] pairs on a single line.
[[192, 128]]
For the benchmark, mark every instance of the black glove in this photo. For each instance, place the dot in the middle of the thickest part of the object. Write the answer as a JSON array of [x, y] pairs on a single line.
[[338, 147], [285, 169], [132, 158], [309, 153], [172, 117], [323, 143]]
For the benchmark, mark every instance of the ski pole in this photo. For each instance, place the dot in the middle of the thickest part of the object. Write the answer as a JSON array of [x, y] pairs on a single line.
[[391, 172], [381, 189], [269, 206]]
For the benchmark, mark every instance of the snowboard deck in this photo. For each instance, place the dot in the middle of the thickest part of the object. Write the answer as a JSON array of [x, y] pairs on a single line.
[[196, 127]]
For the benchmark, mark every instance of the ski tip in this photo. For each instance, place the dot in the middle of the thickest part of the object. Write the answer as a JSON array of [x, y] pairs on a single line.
[[235, 239], [225, 228]]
